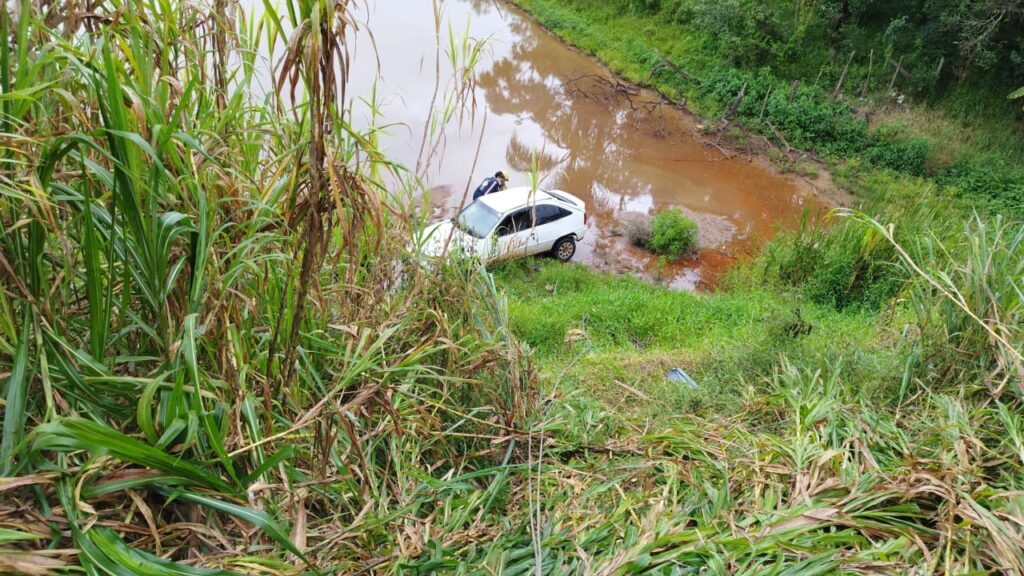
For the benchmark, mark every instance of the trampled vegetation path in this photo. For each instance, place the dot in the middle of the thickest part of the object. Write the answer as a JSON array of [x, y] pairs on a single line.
[[219, 355]]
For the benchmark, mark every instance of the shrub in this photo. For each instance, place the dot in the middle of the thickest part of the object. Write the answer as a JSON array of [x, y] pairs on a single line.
[[834, 263], [637, 228], [672, 234], [906, 155], [1001, 187], [810, 121], [841, 262]]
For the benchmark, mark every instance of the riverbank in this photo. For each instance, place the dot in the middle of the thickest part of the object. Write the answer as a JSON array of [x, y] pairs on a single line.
[[655, 154], [970, 147]]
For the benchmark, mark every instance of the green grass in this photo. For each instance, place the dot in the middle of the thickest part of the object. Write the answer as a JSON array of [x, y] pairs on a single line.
[[626, 331], [804, 441], [821, 434]]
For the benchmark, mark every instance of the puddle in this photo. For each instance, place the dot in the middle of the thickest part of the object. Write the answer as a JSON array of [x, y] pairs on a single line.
[[614, 146]]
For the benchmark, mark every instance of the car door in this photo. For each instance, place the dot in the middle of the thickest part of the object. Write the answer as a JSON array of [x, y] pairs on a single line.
[[547, 229], [512, 235]]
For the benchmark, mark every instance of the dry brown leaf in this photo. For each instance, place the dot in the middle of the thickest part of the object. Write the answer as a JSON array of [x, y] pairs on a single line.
[[28, 563], [18, 481], [575, 335]]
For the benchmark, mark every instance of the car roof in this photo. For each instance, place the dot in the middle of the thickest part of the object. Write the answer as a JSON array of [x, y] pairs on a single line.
[[513, 198]]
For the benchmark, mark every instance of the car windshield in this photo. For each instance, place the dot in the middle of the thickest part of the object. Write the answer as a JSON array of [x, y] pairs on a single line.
[[477, 220]]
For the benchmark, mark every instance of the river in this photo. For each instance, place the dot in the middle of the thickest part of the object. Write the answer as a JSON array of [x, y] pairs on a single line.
[[534, 97]]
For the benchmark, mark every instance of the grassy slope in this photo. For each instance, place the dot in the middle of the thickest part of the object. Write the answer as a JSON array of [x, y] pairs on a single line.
[[633, 333], [880, 440], [829, 452]]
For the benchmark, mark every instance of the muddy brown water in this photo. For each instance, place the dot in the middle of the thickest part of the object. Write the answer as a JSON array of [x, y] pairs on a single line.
[[619, 150]]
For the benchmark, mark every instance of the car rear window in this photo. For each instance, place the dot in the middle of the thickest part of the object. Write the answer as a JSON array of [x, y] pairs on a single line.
[[548, 213]]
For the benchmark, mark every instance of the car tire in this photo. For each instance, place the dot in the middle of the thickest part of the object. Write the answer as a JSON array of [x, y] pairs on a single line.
[[564, 249]]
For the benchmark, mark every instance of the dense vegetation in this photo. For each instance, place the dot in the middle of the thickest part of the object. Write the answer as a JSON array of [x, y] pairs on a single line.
[[858, 408], [216, 361], [212, 357], [818, 440], [853, 82]]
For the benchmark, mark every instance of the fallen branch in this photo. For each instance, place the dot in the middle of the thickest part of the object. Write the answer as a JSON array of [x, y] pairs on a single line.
[[666, 100], [724, 152], [900, 70], [612, 87], [731, 112], [666, 63]]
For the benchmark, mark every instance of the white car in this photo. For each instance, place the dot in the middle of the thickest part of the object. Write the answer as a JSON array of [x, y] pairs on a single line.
[[511, 224]]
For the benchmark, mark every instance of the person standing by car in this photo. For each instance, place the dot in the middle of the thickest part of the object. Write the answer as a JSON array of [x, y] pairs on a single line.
[[490, 185]]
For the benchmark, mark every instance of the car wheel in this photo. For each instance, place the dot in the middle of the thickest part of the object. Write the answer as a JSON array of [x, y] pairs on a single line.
[[564, 249]]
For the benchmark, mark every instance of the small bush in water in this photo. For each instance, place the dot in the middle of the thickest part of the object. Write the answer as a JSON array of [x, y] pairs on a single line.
[[672, 234]]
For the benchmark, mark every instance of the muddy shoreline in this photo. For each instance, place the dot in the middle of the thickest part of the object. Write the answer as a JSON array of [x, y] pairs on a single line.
[[702, 270], [621, 147], [822, 184], [756, 150]]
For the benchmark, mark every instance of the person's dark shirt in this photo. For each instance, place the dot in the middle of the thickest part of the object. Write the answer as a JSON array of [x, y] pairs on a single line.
[[488, 186]]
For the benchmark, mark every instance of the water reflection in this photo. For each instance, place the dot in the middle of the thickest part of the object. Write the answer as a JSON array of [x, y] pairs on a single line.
[[543, 102]]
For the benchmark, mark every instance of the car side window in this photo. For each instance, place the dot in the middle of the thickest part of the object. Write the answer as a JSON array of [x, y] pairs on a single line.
[[548, 213], [516, 222]]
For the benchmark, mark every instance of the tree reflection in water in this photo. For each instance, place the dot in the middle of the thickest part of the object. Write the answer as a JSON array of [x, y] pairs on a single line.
[[591, 140]]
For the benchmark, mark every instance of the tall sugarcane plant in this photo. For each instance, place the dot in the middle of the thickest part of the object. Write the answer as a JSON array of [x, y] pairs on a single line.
[[207, 339]]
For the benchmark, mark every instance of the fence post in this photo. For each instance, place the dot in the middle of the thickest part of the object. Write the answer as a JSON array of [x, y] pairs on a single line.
[[842, 77], [867, 81], [895, 73]]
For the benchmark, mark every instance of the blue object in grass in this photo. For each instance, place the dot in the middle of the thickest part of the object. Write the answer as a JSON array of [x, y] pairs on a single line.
[[679, 375]]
